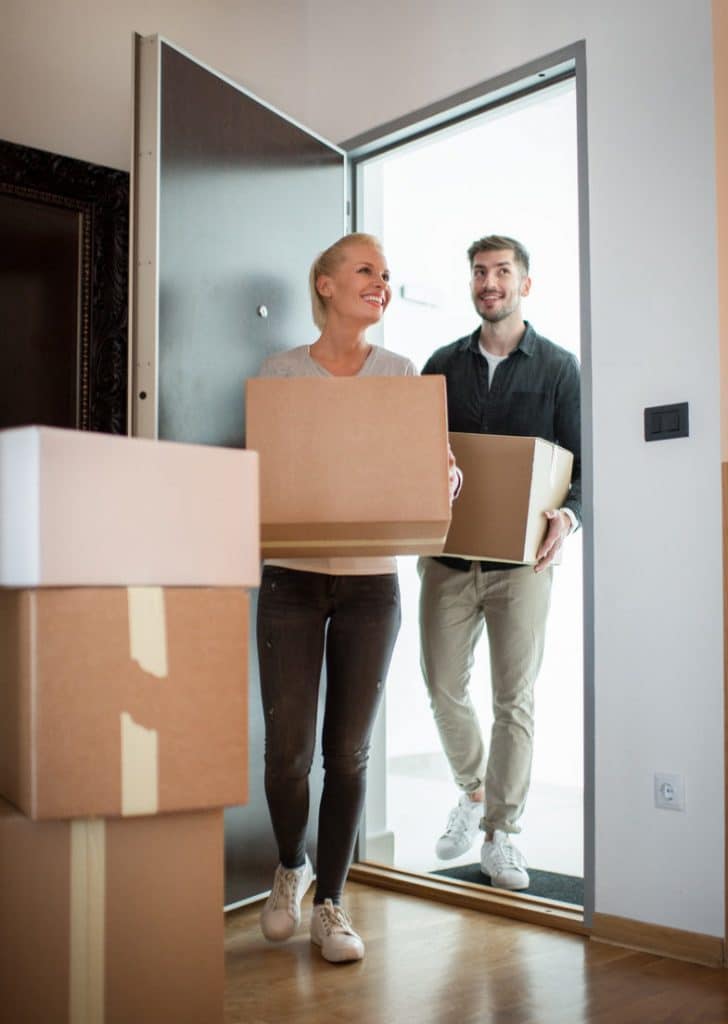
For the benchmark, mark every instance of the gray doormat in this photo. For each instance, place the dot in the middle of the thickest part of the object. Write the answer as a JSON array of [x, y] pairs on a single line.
[[547, 884]]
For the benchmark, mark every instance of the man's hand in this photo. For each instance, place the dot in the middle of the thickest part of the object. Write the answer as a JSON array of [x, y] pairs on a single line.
[[559, 529]]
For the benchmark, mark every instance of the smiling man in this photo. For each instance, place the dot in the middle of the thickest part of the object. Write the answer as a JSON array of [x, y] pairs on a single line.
[[502, 379]]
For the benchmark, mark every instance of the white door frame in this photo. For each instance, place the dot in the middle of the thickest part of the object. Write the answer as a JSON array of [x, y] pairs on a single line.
[[568, 62]]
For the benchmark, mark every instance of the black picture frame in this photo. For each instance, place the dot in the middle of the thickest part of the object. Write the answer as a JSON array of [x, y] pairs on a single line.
[[101, 197]]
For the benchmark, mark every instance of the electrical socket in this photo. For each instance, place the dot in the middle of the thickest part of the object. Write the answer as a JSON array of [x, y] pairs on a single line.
[[669, 792]]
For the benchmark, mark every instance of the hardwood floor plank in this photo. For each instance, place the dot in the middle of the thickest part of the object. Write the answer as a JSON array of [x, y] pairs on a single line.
[[427, 963]]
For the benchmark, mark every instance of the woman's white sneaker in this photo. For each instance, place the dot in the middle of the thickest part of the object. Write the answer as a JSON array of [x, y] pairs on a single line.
[[463, 826], [281, 914], [503, 862], [331, 930]]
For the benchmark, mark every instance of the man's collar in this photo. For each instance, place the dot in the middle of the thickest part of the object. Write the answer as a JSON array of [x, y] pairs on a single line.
[[528, 340], [526, 344]]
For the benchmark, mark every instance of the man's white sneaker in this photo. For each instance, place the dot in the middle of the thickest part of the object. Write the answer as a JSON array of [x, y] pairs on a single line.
[[503, 862], [463, 826], [331, 930], [281, 914]]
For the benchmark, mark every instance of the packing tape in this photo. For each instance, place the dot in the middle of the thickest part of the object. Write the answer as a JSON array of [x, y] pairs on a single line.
[[139, 768], [87, 921], [552, 472], [148, 629], [339, 543], [33, 668], [139, 745]]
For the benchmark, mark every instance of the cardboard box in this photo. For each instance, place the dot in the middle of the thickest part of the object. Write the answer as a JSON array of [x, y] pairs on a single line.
[[114, 921], [85, 509], [508, 484], [123, 701], [350, 465]]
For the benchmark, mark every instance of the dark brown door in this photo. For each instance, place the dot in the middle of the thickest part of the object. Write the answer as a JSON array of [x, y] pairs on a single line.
[[246, 199]]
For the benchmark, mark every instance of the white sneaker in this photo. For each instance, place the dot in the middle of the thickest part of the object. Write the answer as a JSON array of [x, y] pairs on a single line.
[[503, 862], [463, 826], [331, 930], [281, 914]]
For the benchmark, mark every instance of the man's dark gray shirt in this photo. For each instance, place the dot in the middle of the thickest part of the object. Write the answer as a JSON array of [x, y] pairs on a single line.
[[535, 392]]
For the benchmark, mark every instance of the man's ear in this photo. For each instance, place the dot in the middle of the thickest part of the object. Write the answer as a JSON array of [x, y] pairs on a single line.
[[525, 287]]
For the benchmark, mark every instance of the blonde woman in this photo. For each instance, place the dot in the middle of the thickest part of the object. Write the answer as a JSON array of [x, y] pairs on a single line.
[[345, 610]]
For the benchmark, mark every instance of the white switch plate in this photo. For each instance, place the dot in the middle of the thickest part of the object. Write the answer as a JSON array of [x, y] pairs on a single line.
[[669, 792]]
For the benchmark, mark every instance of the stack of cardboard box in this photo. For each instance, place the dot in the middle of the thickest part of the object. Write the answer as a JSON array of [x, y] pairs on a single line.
[[123, 721]]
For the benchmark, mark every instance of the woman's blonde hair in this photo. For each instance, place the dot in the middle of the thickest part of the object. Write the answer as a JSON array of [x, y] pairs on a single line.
[[326, 263]]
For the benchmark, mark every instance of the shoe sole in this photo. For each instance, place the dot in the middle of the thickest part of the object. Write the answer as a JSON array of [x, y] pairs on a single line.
[[508, 888], [457, 853], [278, 938], [338, 960]]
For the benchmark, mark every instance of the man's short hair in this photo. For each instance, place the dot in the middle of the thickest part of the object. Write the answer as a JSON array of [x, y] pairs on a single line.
[[493, 243]]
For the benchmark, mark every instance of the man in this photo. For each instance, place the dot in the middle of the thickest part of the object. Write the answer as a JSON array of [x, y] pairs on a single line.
[[503, 379]]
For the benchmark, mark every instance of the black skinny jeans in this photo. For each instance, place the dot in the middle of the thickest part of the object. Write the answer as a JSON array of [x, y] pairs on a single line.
[[363, 616]]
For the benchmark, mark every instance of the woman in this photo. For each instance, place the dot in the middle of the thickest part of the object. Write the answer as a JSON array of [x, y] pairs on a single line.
[[358, 599]]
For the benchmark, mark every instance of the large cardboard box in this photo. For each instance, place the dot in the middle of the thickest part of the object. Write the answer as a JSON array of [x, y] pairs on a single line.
[[350, 465], [123, 701], [112, 922], [85, 509], [508, 484]]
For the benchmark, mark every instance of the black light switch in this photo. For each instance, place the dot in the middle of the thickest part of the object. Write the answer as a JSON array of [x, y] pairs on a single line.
[[663, 422]]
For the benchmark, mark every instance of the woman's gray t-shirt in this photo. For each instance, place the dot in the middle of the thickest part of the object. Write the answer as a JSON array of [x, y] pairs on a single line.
[[298, 362]]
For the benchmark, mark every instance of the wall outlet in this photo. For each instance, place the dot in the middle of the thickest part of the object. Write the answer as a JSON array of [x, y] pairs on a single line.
[[669, 792]]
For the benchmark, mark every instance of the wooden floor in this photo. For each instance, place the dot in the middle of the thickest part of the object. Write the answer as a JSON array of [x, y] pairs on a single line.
[[431, 964]]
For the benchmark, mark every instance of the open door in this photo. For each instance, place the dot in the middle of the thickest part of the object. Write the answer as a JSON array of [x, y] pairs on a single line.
[[231, 202]]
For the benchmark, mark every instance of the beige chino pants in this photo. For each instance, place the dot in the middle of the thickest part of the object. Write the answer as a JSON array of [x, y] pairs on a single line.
[[513, 605]]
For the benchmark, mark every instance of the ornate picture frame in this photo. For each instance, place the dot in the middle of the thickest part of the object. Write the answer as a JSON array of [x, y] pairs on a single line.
[[100, 195]]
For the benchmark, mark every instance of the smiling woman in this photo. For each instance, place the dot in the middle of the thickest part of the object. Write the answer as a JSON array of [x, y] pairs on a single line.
[[344, 612], [349, 292]]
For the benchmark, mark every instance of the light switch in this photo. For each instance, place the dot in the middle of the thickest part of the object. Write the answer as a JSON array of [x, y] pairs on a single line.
[[663, 422]]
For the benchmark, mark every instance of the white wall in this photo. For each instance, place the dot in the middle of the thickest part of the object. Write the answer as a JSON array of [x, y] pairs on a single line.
[[342, 68], [67, 63]]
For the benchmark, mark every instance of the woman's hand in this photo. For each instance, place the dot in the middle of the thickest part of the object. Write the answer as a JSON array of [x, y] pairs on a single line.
[[455, 476]]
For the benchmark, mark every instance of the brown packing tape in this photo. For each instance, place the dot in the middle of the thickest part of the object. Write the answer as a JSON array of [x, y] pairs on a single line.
[[87, 921], [139, 745], [329, 542]]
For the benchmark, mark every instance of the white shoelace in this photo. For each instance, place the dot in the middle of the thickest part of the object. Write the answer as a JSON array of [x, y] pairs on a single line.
[[504, 855], [460, 820], [334, 918], [285, 889]]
